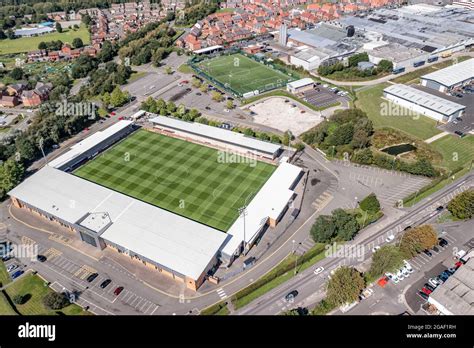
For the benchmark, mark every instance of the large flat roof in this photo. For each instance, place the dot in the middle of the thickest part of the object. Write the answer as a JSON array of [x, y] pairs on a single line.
[[453, 74], [88, 143], [269, 202], [456, 295], [301, 83], [429, 101], [173, 241], [217, 134]]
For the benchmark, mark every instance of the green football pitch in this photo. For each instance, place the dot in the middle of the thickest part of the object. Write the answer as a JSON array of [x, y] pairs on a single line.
[[243, 74], [179, 176]]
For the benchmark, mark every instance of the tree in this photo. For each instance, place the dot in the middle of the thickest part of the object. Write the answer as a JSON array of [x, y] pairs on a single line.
[[2, 35], [385, 66], [363, 156], [42, 45], [341, 135], [299, 146], [462, 206], [370, 204], [77, 42], [417, 239], [55, 301], [203, 88], [249, 132], [16, 73], [287, 138], [345, 286], [118, 97], [86, 19], [196, 83], [346, 224], [387, 259], [11, 34], [168, 70], [59, 28], [229, 104], [170, 107], [216, 96], [19, 299], [323, 229]]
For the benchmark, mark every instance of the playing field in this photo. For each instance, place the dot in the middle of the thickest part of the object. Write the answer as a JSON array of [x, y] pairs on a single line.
[[182, 177], [243, 74]]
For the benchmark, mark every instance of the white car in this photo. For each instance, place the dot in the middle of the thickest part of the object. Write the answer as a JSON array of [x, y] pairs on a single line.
[[318, 270], [226, 110], [12, 268], [408, 266], [366, 293], [390, 238], [405, 272], [375, 248], [434, 282], [325, 85], [400, 275], [392, 277]]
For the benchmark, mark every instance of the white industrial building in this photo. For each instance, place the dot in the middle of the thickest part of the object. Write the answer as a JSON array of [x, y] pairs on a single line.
[[437, 108], [299, 86], [453, 76], [308, 58]]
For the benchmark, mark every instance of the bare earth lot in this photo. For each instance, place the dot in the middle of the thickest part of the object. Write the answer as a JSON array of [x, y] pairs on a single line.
[[274, 112]]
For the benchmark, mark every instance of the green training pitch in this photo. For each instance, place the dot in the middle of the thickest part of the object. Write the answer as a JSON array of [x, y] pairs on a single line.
[[243, 74], [185, 178]]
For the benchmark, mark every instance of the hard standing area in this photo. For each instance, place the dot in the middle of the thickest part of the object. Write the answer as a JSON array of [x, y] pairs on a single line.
[[179, 176]]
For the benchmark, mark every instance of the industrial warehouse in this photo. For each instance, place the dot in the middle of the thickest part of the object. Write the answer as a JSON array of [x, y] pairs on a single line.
[[424, 103], [409, 36], [174, 245], [454, 76]]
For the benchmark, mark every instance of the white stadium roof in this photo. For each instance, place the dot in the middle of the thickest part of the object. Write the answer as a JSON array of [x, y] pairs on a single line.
[[269, 202], [173, 241], [429, 101], [88, 143], [453, 74], [208, 49], [215, 133]]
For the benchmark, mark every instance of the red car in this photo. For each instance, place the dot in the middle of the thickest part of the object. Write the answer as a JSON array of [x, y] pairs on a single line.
[[458, 264], [86, 129], [185, 81], [112, 113], [426, 291], [120, 118], [118, 290]]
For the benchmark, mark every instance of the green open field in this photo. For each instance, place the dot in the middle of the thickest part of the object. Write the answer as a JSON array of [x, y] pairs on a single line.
[[182, 177], [456, 151], [243, 74], [370, 101], [34, 286], [27, 44], [4, 276]]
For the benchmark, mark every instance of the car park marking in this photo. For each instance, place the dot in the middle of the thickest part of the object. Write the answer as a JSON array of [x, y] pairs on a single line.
[[27, 240], [84, 272], [60, 239], [52, 253]]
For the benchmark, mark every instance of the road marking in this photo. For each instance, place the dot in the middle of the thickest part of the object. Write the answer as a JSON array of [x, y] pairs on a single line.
[[221, 293], [27, 240], [51, 253]]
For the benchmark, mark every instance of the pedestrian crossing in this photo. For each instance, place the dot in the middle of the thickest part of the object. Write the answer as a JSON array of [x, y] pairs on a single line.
[[326, 196], [221, 293]]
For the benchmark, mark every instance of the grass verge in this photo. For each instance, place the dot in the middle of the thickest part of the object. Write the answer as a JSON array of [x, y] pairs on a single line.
[[4, 276]]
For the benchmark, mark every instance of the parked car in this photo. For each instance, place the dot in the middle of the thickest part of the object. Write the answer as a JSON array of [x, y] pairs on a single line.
[[104, 284], [400, 275], [422, 294], [442, 242], [91, 278], [408, 266], [207, 108], [430, 287], [375, 248], [17, 274], [427, 253], [291, 295], [458, 264], [443, 277], [440, 208], [390, 238], [6, 258], [392, 277], [41, 258], [55, 146], [366, 293], [426, 291], [433, 282], [118, 290], [198, 93], [451, 270], [435, 248], [318, 270], [12, 267]]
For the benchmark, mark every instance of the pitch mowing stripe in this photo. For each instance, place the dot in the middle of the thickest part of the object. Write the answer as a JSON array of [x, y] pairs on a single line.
[[163, 170]]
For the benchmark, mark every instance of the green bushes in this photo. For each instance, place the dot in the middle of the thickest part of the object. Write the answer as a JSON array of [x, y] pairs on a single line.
[[462, 206]]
